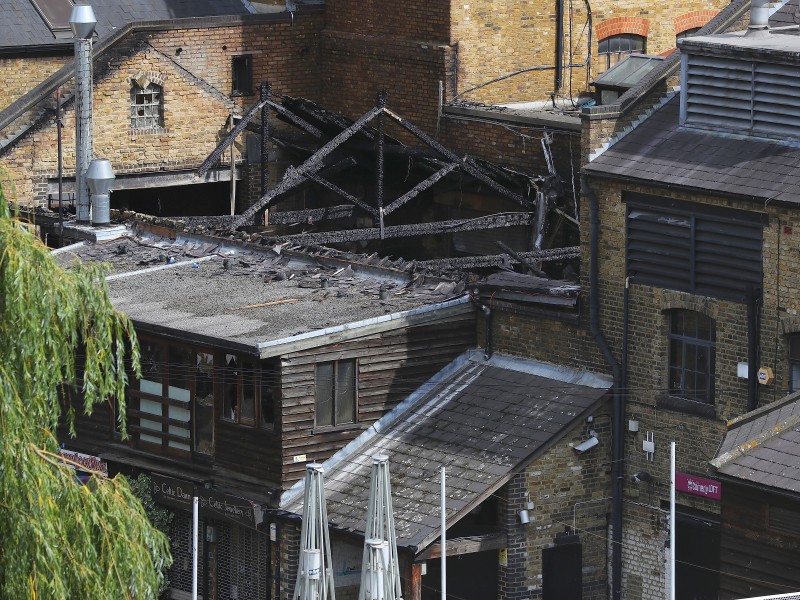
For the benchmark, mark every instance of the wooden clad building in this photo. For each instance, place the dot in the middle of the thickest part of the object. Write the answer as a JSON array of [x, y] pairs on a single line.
[[253, 363]]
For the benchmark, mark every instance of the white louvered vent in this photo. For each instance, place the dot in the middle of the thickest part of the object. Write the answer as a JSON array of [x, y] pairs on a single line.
[[743, 96]]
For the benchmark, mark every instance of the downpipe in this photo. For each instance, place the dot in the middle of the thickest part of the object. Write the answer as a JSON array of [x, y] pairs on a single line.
[[618, 407]]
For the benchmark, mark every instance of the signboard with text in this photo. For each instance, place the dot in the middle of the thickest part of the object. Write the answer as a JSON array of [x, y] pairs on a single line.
[[213, 503], [699, 486]]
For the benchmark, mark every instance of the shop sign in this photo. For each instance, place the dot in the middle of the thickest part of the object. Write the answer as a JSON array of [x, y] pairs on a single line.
[[220, 505], [172, 492], [213, 503], [87, 461], [699, 486]]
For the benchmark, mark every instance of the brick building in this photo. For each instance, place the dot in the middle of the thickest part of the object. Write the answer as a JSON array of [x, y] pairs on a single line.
[[687, 240]]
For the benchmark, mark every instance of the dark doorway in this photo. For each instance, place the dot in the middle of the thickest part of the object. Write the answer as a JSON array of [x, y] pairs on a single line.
[[469, 577], [697, 569]]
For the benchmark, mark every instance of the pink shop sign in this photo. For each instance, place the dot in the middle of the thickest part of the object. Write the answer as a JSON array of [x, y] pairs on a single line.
[[698, 486]]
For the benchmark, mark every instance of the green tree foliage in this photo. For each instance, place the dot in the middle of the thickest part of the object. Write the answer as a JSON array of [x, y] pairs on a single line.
[[62, 539], [160, 517]]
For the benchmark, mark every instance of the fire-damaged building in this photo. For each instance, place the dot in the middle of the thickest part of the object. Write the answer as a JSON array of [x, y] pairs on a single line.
[[255, 361], [287, 332]]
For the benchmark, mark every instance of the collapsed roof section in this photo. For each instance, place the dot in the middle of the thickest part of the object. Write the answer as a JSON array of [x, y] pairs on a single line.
[[388, 193]]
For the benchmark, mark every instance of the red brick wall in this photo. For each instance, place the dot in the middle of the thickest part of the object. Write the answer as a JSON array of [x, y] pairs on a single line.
[[695, 18], [619, 25]]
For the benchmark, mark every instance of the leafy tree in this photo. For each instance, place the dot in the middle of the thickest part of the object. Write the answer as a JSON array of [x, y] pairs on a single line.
[[160, 517], [63, 540]]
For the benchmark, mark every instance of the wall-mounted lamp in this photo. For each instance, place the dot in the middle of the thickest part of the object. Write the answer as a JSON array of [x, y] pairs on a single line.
[[588, 444], [524, 517], [641, 476]]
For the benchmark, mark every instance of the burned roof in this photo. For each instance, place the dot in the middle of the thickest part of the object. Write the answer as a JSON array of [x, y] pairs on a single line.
[[259, 299], [23, 26], [482, 420], [660, 151], [763, 446]]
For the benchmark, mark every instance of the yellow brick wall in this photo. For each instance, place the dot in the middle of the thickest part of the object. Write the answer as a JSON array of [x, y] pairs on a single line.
[[21, 74], [497, 38]]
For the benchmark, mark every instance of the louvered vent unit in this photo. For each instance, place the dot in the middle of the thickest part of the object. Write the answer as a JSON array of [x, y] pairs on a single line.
[[743, 96]]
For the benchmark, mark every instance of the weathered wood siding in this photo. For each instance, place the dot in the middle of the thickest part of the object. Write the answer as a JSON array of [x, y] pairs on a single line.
[[248, 451], [390, 365], [758, 557]]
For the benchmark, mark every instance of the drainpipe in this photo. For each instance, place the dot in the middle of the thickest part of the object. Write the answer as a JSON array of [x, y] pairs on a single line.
[[559, 45], [618, 410], [487, 312], [753, 359]]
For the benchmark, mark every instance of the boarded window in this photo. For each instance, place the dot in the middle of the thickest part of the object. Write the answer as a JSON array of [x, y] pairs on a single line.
[[335, 392], [710, 252]]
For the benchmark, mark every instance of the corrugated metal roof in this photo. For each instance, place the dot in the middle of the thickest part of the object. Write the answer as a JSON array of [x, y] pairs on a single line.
[[482, 420]]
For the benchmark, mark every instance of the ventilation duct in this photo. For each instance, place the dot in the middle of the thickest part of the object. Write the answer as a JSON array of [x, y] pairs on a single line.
[[100, 176], [83, 22], [759, 17]]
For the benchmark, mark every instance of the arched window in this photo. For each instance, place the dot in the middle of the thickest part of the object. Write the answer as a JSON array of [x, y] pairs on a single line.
[[146, 104], [691, 356], [616, 47]]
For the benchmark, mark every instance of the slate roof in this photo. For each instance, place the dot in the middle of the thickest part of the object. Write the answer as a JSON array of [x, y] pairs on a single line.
[[763, 446], [258, 298], [660, 151], [22, 26], [785, 16], [482, 420]]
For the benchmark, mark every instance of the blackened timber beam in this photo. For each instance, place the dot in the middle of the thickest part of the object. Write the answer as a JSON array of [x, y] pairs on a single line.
[[300, 122], [420, 187], [295, 176], [468, 165], [265, 92], [217, 152], [339, 191], [401, 231], [475, 262], [311, 215], [531, 269]]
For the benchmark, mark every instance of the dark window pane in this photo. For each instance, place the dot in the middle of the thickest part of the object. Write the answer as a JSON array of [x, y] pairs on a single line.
[[248, 408], [324, 400], [794, 347], [269, 383], [603, 46], [230, 388], [345, 392], [204, 403]]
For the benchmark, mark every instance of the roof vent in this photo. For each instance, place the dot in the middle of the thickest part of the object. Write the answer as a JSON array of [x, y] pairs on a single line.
[[759, 17]]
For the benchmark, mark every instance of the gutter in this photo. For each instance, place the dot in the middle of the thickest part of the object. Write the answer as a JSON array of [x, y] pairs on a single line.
[[618, 410]]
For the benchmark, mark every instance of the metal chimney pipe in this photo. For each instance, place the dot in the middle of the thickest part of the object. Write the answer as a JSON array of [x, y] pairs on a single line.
[[83, 22], [759, 16], [100, 176]]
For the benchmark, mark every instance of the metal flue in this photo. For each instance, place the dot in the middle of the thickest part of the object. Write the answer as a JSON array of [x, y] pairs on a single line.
[[380, 569], [314, 574]]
